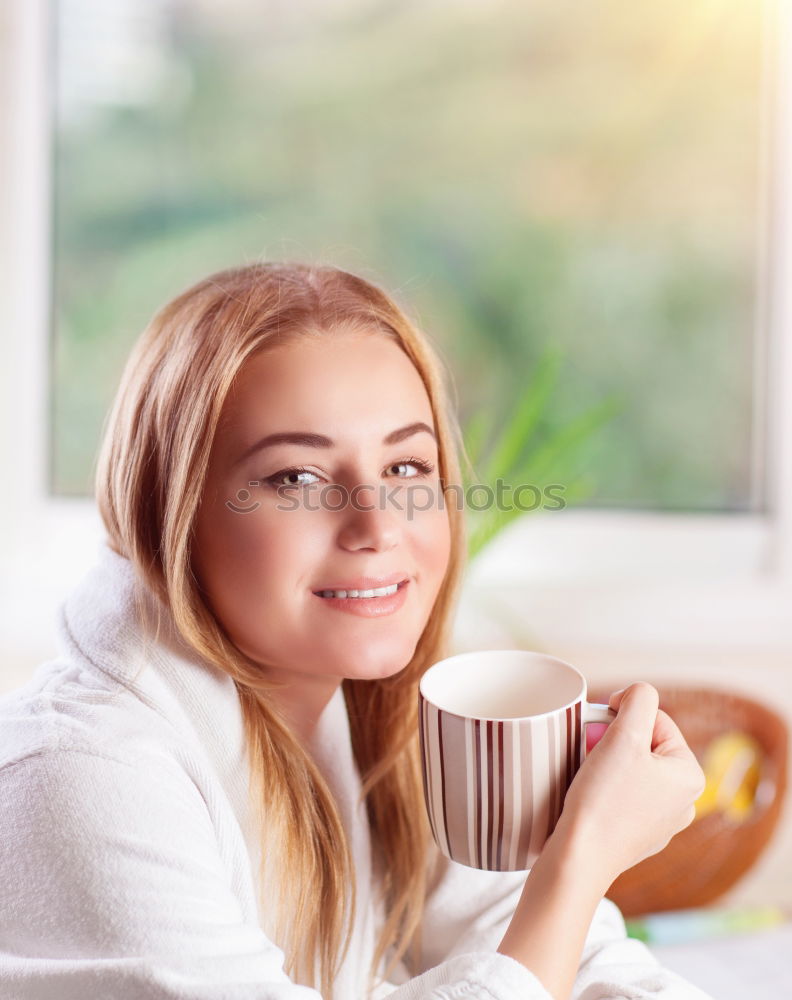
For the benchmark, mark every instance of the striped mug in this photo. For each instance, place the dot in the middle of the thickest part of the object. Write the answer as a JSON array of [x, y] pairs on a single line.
[[502, 736]]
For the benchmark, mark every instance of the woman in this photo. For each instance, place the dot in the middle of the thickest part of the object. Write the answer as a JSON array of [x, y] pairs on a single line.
[[215, 790]]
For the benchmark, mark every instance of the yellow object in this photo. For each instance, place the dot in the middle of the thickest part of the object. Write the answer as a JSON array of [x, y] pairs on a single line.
[[732, 767]]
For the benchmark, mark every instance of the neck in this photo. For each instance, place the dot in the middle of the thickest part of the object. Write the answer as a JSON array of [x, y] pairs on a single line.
[[302, 702]]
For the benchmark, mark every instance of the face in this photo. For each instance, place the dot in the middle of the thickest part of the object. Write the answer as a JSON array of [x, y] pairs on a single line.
[[263, 557]]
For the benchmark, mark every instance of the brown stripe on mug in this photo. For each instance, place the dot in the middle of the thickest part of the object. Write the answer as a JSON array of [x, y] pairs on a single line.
[[490, 798], [501, 770], [477, 749], [423, 708], [552, 773], [442, 772]]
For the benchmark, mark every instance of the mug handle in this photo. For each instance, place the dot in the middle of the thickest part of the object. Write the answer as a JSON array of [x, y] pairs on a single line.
[[597, 713], [594, 712]]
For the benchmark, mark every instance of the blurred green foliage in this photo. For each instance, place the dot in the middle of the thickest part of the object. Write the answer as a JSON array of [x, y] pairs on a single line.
[[521, 455], [524, 178]]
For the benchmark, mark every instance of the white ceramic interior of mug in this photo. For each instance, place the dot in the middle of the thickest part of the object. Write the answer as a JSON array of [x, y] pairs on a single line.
[[502, 684]]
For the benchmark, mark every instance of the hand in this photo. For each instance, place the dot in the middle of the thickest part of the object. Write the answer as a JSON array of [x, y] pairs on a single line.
[[636, 788]]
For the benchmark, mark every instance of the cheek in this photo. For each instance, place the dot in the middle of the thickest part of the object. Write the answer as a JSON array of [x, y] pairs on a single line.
[[248, 561], [431, 532]]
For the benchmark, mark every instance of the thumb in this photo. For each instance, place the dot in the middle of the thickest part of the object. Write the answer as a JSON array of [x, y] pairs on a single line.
[[636, 711]]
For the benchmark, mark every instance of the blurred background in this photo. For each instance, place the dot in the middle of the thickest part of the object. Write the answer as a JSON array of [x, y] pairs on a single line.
[[586, 175], [586, 206]]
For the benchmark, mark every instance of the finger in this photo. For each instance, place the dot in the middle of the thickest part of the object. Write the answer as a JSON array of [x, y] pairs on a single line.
[[666, 734], [666, 731], [668, 739], [641, 688], [615, 699], [636, 709]]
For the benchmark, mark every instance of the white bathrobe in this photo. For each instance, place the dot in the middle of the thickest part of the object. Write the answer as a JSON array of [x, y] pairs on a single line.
[[128, 862]]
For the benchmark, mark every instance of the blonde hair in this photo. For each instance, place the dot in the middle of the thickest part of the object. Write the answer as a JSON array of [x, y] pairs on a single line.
[[150, 475]]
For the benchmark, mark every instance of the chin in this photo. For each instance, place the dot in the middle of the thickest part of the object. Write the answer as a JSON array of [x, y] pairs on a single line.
[[373, 664], [375, 673]]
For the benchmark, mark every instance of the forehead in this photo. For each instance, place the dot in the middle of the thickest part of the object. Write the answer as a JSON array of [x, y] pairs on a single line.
[[339, 380]]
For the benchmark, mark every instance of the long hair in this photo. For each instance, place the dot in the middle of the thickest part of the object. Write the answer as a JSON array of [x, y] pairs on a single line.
[[150, 476]]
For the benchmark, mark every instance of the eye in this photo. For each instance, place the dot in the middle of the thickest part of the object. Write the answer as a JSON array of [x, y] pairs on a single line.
[[275, 480], [424, 467]]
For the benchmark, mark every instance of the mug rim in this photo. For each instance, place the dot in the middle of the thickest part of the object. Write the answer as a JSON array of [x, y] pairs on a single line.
[[582, 696]]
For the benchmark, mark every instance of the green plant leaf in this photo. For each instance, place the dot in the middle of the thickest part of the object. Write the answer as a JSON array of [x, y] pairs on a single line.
[[526, 417], [565, 443], [560, 449]]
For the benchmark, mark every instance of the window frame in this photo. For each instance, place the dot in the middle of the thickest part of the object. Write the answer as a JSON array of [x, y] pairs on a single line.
[[709, 578]]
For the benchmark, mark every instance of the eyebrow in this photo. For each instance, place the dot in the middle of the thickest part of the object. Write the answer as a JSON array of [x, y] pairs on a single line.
[[309, 440]]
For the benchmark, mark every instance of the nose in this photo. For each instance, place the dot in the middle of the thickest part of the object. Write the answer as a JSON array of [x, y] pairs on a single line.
[[368, 521]]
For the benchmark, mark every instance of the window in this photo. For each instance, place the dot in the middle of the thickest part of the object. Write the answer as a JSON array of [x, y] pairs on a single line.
[[582, 176], [504, 186]]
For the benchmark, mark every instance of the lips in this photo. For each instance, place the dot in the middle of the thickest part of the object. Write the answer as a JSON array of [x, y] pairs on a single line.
[[367, 607], [365, 583]]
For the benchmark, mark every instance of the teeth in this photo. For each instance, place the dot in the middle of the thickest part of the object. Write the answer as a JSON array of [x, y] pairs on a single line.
[[379, 592]]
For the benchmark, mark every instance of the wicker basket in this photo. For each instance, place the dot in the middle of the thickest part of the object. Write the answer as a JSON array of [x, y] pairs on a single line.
[[705, 859]]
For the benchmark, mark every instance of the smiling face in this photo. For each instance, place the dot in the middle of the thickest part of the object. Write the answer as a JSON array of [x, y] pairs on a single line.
[[263, 557]]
